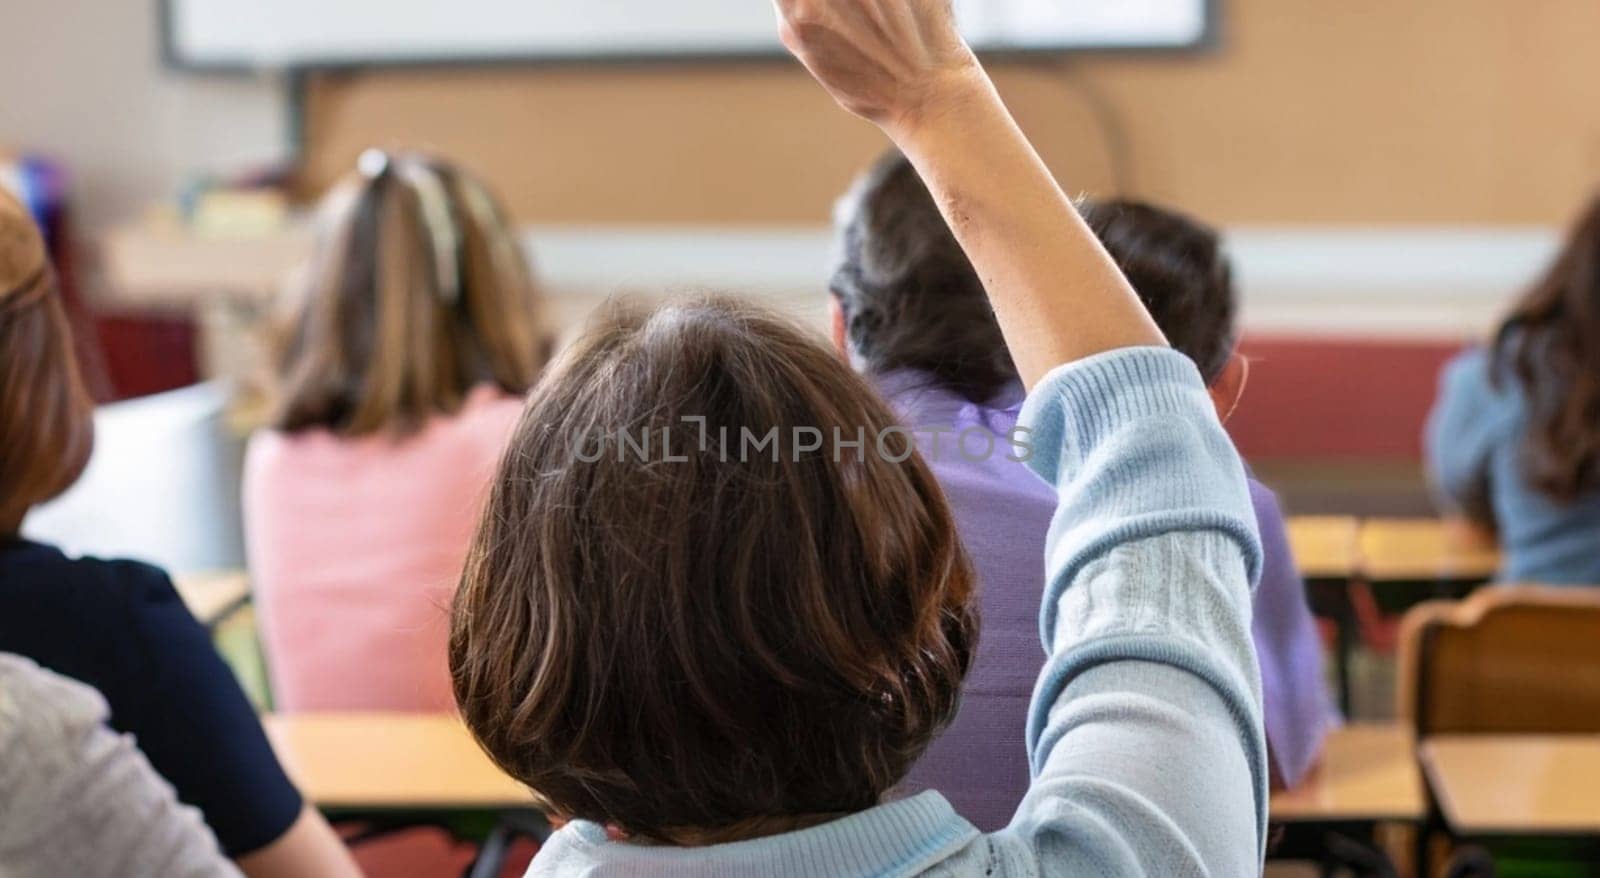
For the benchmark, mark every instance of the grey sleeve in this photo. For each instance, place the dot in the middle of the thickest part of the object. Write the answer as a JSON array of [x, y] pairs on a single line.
[[78, 799]]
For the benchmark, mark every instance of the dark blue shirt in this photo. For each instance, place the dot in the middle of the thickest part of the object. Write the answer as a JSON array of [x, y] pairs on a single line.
[[120, 627]]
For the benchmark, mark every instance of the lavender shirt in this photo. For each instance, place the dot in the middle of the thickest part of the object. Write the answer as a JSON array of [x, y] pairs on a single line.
[[1003, 511]]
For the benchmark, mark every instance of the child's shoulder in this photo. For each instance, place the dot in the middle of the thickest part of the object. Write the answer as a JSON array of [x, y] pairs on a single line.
[[1475, 379], [25, 689], [483, 427], [1473, 364], [60, 578], [491, 408]]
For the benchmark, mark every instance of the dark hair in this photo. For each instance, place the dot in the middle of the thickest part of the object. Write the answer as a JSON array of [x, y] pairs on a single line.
[[911, 298], [705, 649], [1551, 345], [46, 415], [418, 292], [1177, 266]]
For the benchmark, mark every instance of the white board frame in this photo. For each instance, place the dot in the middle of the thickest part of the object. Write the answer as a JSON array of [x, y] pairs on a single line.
[[177, 57]]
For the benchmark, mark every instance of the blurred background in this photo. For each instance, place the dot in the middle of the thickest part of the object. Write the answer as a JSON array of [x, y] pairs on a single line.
[[1388, 173]]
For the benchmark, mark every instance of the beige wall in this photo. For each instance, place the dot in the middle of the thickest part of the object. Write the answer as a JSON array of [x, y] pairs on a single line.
[[1356, 111], [83, 82]]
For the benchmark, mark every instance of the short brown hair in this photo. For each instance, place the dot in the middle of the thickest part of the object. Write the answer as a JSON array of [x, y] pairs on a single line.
[[692, 646], [46, 415], [1177, 265], [418, 292], [912, 300]]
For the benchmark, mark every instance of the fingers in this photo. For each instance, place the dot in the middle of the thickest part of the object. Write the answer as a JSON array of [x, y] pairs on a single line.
[[899, 17], [936, 21], [873, 56]]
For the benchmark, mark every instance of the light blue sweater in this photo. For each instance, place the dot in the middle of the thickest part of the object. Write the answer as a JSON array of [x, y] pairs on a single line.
[[1145, 733], [1475, 439]]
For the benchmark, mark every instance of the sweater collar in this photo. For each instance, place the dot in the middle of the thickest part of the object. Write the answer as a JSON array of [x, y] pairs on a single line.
[[900, 838]]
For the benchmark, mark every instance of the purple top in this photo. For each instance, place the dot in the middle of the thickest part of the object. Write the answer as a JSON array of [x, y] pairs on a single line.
[[1003, 510], [1298, 711]]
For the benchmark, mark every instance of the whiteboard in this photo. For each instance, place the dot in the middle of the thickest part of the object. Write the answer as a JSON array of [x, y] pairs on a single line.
[[266, 34]]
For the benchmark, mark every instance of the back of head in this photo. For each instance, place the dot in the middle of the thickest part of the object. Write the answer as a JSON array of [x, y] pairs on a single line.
[[46, 415], [1177, 266], [686, 614], [1551, 345], [418, 292], [911, 299]]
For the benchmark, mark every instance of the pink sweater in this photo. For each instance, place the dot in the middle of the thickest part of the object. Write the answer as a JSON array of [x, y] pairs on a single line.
[[355, 549]]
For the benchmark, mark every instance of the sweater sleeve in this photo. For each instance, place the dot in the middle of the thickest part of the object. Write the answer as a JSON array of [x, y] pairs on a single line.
[[192, 720], [78, 799], [1461, 434], [1145, 730]]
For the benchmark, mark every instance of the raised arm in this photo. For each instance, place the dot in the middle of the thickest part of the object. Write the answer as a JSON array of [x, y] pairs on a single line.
[[902, 65], [1145, 732]]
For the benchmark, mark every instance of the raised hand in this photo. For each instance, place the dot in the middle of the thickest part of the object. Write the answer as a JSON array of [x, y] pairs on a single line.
[[903, 65], [888, 61]]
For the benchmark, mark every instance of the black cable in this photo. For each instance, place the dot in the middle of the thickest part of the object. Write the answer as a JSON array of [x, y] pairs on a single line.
[[1108, 120]]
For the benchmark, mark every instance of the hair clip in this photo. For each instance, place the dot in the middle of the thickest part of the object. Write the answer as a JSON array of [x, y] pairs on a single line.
[[373, 163]]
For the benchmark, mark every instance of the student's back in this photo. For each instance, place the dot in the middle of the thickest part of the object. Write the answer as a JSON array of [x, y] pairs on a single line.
[[1004, 510], [1514, 439], [720, 647], [120, 626], [409, 345], [356, 546], [911, 313]]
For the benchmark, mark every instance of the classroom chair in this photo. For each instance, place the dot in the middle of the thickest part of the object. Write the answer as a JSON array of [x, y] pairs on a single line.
[[1507, 659]]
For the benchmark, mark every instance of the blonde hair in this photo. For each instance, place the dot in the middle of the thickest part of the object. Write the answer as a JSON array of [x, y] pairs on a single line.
[[417, 293]]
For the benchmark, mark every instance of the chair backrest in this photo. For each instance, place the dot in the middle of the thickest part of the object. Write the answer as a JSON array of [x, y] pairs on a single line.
[[1508, 659]]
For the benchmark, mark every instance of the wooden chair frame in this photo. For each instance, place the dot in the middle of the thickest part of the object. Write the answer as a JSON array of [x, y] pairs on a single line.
[[1422, 622]]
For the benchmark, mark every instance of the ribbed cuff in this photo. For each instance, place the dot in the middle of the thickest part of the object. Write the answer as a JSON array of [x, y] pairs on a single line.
[[1078, 405]]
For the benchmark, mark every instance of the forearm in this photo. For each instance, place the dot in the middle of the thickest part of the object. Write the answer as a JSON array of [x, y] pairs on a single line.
[[1058, 295], [309, 848]]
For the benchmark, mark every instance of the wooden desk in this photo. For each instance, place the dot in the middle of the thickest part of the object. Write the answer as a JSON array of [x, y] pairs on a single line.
[[1520, 785], [386, 761], [1425, 549], [1368, 774], [212, 597], [1325, 546], [1325, 549]]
